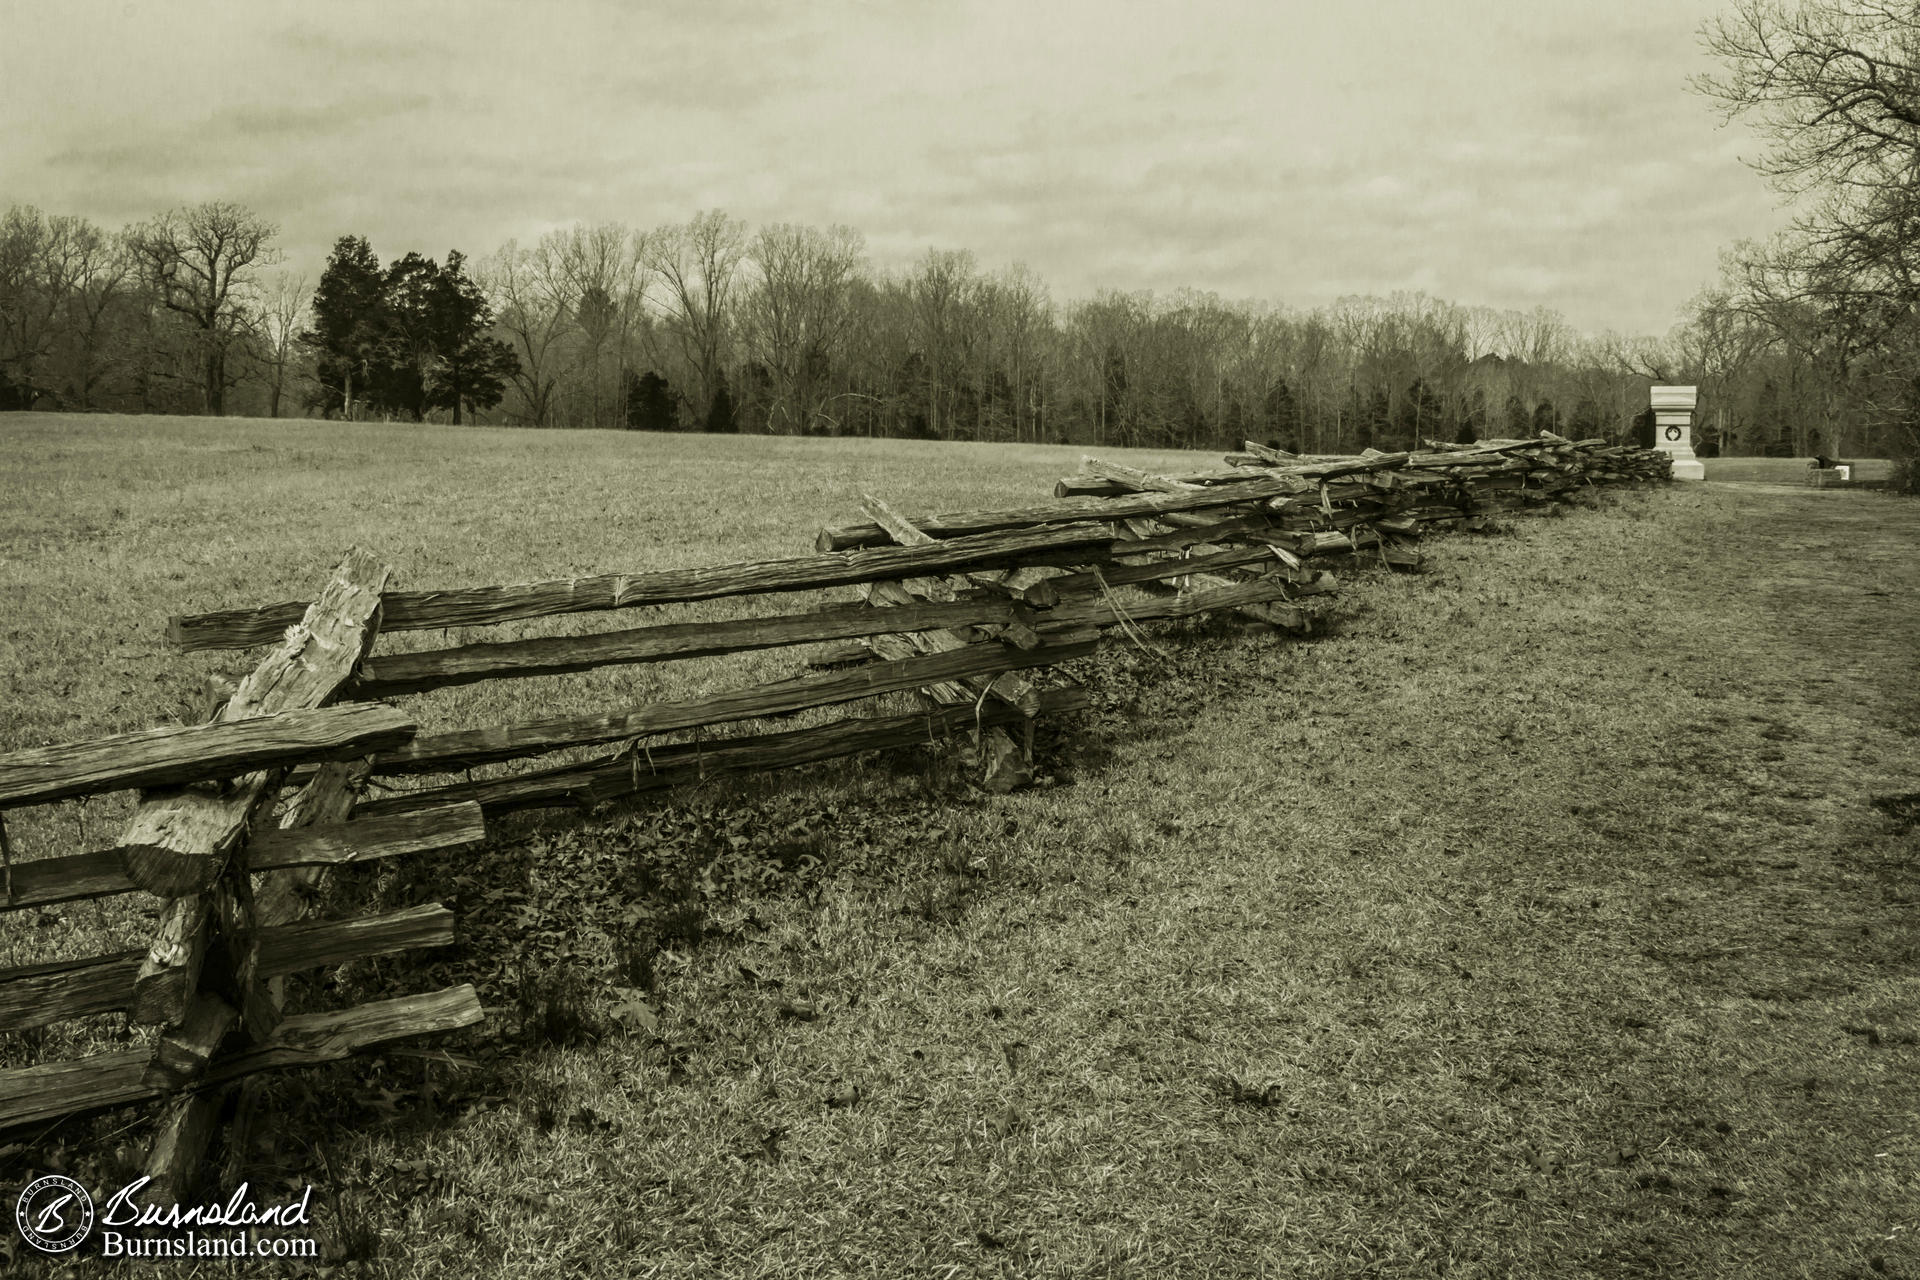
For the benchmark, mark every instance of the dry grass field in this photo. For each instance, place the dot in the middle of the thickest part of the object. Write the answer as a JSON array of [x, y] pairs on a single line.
[[1536, 921]]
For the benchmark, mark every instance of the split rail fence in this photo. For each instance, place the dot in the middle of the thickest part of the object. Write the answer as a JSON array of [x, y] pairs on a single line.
[[970, 614]]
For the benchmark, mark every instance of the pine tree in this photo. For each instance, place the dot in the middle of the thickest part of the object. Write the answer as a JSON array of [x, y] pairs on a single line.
[[1281, 417], [470, 367], [1519, 422], [409, 341], [348, 320], [720, 417], [650, 403]]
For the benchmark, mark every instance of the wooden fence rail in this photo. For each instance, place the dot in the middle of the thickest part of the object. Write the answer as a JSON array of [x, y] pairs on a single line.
[[46, 881], [197, 753], [487, 606]]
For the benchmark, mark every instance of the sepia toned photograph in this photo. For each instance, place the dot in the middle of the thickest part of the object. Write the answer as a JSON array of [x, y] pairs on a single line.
[[872, 638]]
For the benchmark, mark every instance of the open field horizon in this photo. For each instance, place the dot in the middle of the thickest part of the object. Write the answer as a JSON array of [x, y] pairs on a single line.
[[1534, 921]]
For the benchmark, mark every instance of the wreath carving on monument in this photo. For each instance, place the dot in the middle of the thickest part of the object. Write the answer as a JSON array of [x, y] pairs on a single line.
[[1673, 433]]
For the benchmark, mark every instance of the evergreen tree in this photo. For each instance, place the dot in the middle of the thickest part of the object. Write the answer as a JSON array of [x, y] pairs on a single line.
[[720, 417], [348, 320], [1376, 420], [408, 343], [650, 403], [1519, 422], [471, 367], [424, 345], [1280, 417]]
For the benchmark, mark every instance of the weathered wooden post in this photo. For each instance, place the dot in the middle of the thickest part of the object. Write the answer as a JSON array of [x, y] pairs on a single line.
[[180, 843], [1673, 430]]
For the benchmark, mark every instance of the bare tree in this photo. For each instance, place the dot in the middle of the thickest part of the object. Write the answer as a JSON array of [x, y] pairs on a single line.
[[606, 282], [532, 300], [201, 263], [1019, 315], [1715, 348], [283, 315], [1539, 337], [796, 317], [1835, 88], [1298, 361], [943, 291], [697, 263], [61, 280], [93, 319], [31, 292]]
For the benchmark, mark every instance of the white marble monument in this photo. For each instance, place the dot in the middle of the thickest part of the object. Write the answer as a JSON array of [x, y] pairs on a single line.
[[1673, 430]]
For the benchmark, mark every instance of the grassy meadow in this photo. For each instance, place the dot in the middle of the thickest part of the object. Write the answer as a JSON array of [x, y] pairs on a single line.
[[1535, 921]]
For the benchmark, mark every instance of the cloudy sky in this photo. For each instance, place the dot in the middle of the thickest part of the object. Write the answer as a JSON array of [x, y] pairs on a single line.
[[1500, 152]]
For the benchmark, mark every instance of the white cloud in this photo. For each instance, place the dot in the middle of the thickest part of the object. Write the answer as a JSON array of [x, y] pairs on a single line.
[[1488, 150]]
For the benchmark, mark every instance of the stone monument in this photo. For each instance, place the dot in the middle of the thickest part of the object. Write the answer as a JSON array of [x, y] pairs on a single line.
[[1673, 430]]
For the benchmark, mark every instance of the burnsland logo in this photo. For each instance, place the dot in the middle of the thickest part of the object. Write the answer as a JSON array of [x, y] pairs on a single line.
[[239, 1216], [54, 1214]]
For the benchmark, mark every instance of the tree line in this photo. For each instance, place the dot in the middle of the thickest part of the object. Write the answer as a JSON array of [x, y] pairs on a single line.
[[710, 325]]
